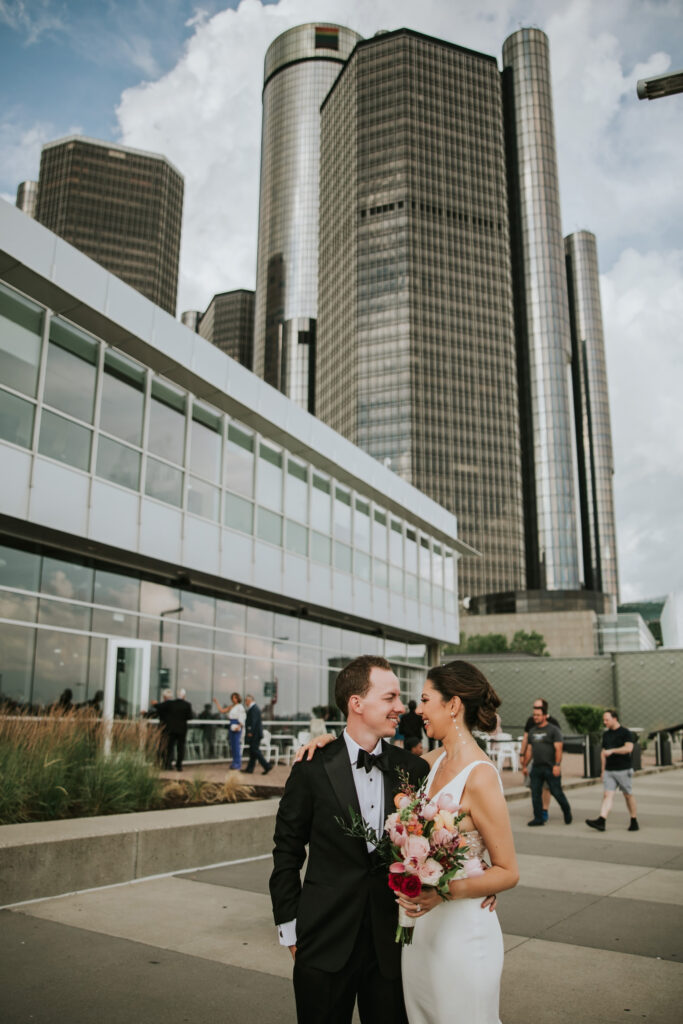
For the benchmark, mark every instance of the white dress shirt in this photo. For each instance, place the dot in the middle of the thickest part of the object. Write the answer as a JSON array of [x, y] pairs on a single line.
[[370, 792]]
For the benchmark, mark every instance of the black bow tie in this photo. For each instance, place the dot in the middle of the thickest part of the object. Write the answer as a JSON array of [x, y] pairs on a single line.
[[370, 761]]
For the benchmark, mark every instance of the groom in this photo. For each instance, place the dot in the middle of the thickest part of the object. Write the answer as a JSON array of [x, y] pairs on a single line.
[[340, 924]]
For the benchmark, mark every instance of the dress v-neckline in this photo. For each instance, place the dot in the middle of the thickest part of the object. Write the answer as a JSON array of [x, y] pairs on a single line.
[[450, 781]]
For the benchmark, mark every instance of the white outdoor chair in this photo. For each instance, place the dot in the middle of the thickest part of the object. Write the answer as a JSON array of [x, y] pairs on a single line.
[[506, 749], [268, 748], [298, 741]]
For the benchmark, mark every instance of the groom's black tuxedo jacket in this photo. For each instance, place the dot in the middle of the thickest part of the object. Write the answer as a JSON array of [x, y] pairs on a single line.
[[342, 878]]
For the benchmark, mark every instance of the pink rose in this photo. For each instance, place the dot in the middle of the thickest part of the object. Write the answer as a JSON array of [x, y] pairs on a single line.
[[415, 852], [396, 830], [445, 802], [430, 872], [473, 867], [402, 802], [441, 837], [429, 811]]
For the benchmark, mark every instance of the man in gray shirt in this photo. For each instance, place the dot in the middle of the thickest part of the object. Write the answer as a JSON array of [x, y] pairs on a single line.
[[545, 749]]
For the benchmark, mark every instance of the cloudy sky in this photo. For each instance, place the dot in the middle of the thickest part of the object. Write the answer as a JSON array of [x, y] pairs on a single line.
[[184, 78]]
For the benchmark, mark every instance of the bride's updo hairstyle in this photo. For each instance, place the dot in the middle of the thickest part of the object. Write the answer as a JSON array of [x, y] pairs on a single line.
[[460, 679]]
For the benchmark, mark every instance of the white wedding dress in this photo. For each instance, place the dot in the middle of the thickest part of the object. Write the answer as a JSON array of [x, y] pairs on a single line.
[[451, 971]]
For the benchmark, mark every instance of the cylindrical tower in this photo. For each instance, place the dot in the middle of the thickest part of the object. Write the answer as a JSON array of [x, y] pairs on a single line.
[[591, 403], [190, 318], [27, 197], [300, 67], [542, 314]]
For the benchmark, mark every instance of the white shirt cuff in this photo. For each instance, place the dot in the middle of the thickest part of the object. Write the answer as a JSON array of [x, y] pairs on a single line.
[[287, 933]]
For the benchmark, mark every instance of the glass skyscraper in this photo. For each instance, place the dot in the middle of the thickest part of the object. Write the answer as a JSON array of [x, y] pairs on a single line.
[[228, 322], [591, 400], [121, 207], [300, 66], [416, 341]]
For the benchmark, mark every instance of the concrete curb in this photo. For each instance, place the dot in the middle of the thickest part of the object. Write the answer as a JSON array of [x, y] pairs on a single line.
[[519, 792], [49, 858]]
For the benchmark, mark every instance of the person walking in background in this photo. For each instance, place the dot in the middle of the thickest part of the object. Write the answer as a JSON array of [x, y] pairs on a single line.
[[616, 758], [173, 716], [237, 717], [543, 705], [545, 747], [413, 744], [253, 736], [410, 724]]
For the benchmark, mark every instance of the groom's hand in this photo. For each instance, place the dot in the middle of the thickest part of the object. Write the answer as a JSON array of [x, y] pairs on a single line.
[[292, 949]]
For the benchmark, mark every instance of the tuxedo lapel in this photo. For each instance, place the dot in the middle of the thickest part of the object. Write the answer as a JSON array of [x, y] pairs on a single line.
[[391, 783], [338, 768]]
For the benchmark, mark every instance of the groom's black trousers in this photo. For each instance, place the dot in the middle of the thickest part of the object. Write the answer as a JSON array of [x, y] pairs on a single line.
[[325, 997]]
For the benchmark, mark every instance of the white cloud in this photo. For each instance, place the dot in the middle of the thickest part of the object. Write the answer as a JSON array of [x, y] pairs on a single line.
[[20, 147], [619, 160]]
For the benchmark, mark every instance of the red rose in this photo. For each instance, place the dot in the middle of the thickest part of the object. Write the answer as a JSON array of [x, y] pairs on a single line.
[[396, 882], [412, 886]]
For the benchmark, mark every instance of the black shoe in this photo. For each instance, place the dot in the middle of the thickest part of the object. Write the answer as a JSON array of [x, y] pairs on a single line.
[[535, 823], [598, 823], [248, 771], [268, 769], [634, 826], [568, 817]]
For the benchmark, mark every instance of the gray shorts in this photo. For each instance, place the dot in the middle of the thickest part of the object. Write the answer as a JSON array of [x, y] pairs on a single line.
[[622, 780]]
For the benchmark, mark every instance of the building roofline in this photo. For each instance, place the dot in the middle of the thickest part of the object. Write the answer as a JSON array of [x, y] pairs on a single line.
[[104, 144], [380, 36]]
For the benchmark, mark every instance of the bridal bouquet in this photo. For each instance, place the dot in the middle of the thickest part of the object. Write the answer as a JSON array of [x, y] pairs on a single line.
[[421, 846]]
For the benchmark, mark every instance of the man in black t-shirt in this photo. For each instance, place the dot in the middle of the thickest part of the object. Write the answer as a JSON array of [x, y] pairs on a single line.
[[545, 748], [542, 705], [617, 771]]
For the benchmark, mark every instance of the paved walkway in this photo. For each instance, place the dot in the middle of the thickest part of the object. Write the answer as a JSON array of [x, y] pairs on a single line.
[[593, 934]]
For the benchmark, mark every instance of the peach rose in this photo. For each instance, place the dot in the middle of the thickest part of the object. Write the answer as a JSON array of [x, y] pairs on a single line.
[[430, 872], [445, 819]]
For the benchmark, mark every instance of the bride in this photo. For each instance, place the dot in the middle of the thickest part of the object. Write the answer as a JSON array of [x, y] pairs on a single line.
[[452, 968]]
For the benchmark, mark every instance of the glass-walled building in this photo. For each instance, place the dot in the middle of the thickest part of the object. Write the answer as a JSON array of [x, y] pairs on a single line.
[[167, 517]]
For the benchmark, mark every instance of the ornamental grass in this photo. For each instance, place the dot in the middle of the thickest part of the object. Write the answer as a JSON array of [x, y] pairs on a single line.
[[69, 764]]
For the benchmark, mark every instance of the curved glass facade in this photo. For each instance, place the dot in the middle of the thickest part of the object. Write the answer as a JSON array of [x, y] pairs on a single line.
[[544, 339], [300, 67], [591, 399]]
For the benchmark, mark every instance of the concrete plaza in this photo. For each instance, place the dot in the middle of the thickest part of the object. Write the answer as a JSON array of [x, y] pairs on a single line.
[[593, 933]]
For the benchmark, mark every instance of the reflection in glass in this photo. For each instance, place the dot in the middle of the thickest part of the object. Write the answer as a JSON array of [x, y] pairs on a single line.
[[63, 613], [61, 662], [71, 372], [203, 499], [21, 328], [361, 525], [228, 676], [66, 579], [269, 527], [379, 534], [342, 556], [320, 547], [64, 440], [118, 463], [164, 482], [239, 460], [269, 478], [396, 542], [362, 563], [122, 402], [342, 515], [239, 514], [117, 590], [167, 422], [20, 569], [16, 420], [17, 645], [296, 497], [206, 439], [297, 538], [380, 574], [320, 503]]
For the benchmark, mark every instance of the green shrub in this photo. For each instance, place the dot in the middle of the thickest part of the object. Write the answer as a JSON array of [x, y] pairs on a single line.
[[56, 767], [585, 719]]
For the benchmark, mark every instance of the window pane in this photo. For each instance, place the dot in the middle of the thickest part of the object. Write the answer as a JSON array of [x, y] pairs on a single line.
[[297, 538], [395, 579], [396, 542], [164, 482], [425, 559], [361, 526], [362, 564], [411, 586], [320, 547], [116, 590], [21, 328], [16, 419], [239, 514], [66, 579], [239, 461], [269, 479], [269, 526], [167, 422], [71, 371], [379, 534], [297, 491], [16, 643], [118, 463], [411, 551], [203, 499], [342, 556], [380, 573], [320, 503], [63, 440], [342, 515], [61, 664], [205, 447], [122, 398]]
